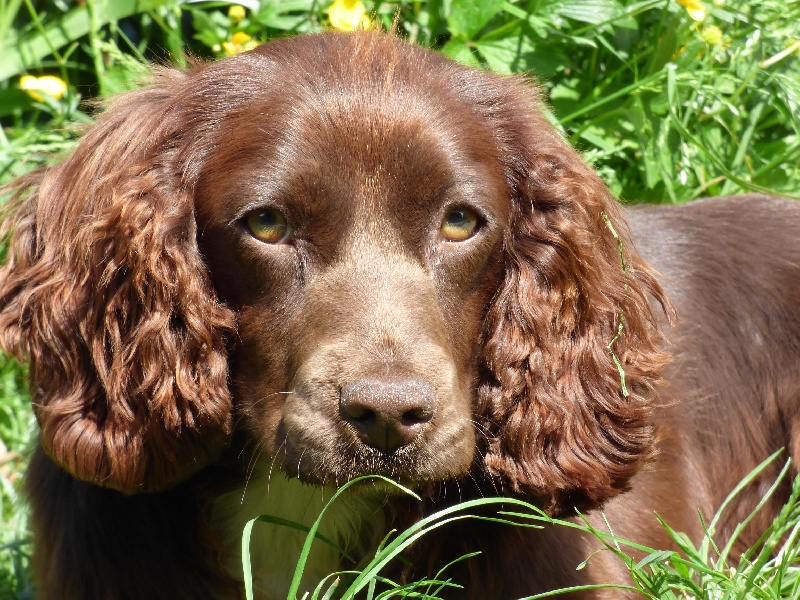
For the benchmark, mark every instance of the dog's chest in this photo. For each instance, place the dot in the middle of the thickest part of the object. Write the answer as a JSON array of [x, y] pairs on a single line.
[[351, 522]]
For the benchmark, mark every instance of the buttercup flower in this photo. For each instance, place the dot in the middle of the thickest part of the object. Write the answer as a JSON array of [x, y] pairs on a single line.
[[46, 84], [712, 35], [695, 9], [236, 13], [348, 15], [239, 42]]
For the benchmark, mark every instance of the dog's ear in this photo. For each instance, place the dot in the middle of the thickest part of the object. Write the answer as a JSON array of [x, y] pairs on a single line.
[[571, 343], [105, 292]]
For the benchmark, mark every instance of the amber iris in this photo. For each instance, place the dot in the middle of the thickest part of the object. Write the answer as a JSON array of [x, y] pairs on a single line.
[[268, 225], [459, 224]]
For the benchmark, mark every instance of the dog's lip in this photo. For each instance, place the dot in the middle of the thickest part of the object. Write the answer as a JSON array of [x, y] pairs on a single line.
[[375, 486], [409, 465]]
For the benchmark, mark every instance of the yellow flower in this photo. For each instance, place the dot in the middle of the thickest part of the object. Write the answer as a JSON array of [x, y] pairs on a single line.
[[239, 42], [712, 35], [348, 15], [695, 9], [47, 84], [236, 13]]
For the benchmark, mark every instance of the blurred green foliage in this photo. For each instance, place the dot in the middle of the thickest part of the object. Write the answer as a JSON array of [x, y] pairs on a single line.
[[668, 100]]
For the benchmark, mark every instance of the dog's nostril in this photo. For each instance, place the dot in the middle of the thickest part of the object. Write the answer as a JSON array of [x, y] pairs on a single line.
[[416, 416], [358, 412], [387, 414]]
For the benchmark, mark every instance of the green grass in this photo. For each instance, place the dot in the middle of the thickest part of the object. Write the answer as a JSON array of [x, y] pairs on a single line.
[[770, 570], [666, 108], [16, 428]]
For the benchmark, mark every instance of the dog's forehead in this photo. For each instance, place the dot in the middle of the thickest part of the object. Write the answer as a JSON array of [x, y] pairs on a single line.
[[362, 135]]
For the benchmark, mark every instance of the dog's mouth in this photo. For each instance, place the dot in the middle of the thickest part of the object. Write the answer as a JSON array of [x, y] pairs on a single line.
[[413, 465], [408, 465]]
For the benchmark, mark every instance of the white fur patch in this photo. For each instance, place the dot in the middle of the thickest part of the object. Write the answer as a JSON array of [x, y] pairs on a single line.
[[352, 523]]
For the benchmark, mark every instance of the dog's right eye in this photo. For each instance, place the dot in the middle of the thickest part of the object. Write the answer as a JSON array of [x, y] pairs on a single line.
[[459, 224], [268, 225]]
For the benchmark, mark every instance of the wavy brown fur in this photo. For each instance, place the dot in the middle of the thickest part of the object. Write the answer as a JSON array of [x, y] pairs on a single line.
[[556, 423], [105, 293]]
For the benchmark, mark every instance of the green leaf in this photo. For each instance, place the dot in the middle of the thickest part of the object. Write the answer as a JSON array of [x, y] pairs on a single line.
[[589, 11], [655, 557], [468, 17], [13, 99], [539, 24], [505, 55], [459, 51], [286, 15], [211, 27], [248, 4], [20, 55], [517, 54], [596, 137]]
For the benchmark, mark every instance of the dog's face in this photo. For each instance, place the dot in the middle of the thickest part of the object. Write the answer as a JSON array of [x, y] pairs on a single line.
[[365, 257], [360, 252]]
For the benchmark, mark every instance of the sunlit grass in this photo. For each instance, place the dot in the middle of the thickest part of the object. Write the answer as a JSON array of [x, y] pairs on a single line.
[[769, 570]]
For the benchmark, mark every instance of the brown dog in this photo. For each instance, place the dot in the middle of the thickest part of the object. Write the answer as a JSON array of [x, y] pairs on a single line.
[[340, 255]]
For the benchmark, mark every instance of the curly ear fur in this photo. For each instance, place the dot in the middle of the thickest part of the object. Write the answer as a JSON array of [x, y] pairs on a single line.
[[105, 291], [560, 427]]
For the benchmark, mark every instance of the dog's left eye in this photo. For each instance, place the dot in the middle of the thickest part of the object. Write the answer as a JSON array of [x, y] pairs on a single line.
[[459, 224], [268, 225]]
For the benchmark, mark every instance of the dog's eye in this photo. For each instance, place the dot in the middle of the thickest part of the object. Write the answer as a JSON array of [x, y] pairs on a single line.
[[268, 225], [459, 224]]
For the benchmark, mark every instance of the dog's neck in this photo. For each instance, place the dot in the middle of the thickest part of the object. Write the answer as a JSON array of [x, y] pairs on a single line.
[[353, 522]]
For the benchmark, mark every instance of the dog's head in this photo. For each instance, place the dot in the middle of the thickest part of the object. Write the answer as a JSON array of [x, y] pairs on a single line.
[[381, 261]]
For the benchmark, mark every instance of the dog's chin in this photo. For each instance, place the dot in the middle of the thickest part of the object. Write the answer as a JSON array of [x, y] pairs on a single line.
[[378, 472]]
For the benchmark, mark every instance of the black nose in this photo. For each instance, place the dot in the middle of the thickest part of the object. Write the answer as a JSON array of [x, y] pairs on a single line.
[[387, 414]]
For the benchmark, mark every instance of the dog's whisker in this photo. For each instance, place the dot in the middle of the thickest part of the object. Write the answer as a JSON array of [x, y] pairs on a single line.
[[254, 460], [272, 462]]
